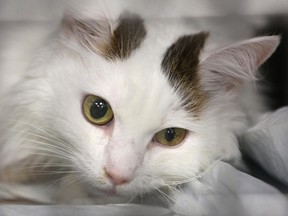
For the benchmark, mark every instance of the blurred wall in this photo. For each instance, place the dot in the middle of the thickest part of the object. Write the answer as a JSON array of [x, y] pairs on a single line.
[[51, 9]]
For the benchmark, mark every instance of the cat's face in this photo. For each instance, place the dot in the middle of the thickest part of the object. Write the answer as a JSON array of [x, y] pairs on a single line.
[[143, 103], [161, 122]]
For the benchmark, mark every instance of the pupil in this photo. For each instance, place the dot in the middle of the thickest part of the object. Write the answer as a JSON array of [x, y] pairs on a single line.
[[170, 134], [98, 109]]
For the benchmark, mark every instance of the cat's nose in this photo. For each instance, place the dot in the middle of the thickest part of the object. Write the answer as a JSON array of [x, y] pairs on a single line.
[[116, 178]]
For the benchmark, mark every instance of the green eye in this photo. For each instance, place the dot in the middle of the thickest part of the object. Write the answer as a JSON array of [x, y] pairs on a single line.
[[97, 110], [170, 136]]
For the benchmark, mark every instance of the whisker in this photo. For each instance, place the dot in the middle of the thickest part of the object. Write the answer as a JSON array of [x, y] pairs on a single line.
[[174, 190], [194, 178], [42, 137], [133, 197], [37, 129], [56, 181], [152, 194], [46, 147], [72, 181], [51, 164], [164, 195], [44, 144], [49, 155]]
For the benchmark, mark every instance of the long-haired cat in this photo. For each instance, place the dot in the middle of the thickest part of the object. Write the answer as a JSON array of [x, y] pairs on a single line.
[[121, 106]]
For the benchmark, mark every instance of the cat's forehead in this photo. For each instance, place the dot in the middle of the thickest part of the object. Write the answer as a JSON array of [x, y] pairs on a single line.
[[144, 64], [137, 90], [142, 47]]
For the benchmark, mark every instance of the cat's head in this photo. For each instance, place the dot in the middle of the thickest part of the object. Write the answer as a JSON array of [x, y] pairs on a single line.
[[136, 108]]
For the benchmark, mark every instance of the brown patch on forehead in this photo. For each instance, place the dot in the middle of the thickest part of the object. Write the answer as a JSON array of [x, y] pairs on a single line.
[[127, 37], [180, 64], [100, 36]]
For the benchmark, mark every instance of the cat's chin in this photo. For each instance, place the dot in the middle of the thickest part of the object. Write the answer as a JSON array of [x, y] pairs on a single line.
[[110, 191], [128, 194], [118, 191], [125, 191], [110, 195]]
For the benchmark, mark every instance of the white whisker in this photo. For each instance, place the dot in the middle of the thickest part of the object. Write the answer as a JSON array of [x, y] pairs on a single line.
[[133, 197], [38, 129], [53, 146], [165, 196], [71, 182]]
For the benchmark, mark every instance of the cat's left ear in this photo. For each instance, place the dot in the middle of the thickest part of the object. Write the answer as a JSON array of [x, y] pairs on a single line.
[[226, 69], [91, 31], [111, 36]]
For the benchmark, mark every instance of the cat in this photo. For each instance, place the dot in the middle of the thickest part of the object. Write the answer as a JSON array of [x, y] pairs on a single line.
[[119, 107]]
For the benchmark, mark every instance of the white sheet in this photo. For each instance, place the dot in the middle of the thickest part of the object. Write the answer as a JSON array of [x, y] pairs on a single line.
[[267, 143], [225, 191]]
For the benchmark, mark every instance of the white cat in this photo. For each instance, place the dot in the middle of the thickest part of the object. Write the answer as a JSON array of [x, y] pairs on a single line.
[[120, 106]]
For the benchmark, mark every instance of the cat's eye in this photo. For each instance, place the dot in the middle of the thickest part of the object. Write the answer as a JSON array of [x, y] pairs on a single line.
[[97, 110], [170, 136]]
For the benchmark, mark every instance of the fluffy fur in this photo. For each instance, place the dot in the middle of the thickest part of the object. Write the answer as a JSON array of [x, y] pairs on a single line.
[[43, 130]]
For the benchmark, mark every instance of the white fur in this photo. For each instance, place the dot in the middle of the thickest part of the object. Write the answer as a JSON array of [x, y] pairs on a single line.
[[45, 106]]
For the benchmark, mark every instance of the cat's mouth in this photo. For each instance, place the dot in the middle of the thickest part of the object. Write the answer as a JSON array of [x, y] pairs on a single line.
[[125, 190], [115, 190], [110, 190], [101, 191]]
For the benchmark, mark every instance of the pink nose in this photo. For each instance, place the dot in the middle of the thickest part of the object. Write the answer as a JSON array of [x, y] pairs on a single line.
[[116, 179]]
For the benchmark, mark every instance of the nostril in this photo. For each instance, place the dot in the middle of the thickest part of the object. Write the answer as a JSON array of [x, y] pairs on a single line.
[[116, 178]]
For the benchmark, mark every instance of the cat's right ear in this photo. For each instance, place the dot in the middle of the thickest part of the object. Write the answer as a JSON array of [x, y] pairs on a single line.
[[226, 69], [92, 30]]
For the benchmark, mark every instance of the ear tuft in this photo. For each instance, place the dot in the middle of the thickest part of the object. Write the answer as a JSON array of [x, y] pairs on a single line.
[[227, 68], [90, 32], [113, 38]]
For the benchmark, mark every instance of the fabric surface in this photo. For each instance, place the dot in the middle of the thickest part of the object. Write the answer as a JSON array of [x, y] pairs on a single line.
[[109, 210], [225, 191], [267, 143]]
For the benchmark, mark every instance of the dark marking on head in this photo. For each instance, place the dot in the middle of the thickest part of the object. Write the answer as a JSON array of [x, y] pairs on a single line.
[[127, 37], [180, 64], [98, 36]]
